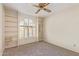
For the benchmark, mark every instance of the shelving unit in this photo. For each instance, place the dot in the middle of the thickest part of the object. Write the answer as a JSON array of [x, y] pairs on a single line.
[[11, 28]]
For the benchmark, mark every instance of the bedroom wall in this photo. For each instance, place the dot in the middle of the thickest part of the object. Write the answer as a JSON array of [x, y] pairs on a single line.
[[62, 29], [2, 33]]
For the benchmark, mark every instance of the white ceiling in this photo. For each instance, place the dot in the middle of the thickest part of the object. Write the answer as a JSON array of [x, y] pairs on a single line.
[[28, 8]]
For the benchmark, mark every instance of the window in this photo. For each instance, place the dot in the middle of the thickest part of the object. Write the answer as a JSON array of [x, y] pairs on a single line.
[[27, 29]]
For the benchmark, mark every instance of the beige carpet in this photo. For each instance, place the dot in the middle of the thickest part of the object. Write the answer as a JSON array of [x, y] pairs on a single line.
[[39, 49]]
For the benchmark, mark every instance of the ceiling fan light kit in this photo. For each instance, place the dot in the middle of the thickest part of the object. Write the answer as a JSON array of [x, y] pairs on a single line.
[[42, 6]]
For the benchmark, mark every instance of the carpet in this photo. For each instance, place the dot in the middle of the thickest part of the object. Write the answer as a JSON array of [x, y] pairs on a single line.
[[38, 49]]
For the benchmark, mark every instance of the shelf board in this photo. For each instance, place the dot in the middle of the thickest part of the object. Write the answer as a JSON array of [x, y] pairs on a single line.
[[10, 31], [11, 21], [11, 26], [10, 16]]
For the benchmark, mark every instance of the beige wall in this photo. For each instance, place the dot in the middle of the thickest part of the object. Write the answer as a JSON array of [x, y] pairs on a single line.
[[1, 29], [62, 29]]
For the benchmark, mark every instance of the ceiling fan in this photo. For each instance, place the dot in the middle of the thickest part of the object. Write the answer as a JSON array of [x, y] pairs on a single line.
[[42, 6]]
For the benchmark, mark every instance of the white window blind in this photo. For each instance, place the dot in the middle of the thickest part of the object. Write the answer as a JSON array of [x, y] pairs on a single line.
[[27, 29]]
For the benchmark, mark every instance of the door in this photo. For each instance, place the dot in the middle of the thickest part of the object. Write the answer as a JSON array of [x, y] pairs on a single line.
[[27, 31]]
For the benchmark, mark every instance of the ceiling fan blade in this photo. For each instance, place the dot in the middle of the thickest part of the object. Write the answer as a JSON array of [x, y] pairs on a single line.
[[47, 4], [37, 11], [47, 10], [36, 6]]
